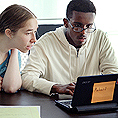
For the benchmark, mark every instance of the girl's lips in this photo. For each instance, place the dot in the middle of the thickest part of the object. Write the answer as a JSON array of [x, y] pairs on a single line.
[[28, 47]]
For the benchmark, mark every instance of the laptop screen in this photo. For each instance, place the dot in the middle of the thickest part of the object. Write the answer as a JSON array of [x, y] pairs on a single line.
[[95, 90]]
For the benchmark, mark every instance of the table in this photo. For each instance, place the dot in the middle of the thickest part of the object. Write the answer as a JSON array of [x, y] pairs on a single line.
[[48, 107]]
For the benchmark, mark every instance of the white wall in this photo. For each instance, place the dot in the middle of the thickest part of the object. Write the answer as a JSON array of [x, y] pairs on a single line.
[[53, 11], [106, 17]]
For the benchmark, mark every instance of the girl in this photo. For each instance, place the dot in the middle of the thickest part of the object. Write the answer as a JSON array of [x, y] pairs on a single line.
[[18, 26]]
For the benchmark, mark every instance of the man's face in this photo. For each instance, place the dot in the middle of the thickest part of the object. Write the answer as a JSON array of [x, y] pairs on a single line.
[[83, 20]]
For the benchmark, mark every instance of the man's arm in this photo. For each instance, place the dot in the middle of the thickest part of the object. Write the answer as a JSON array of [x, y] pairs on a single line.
[[108, 60], [38, 77]]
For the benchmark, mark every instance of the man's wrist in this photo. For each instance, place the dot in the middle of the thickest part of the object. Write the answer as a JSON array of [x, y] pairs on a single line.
[[54, 88]]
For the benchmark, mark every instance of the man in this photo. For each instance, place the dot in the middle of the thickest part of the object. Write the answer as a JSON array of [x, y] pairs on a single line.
[[75, 49]]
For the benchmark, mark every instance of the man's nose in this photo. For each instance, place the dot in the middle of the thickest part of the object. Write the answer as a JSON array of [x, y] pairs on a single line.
[[83, 31]]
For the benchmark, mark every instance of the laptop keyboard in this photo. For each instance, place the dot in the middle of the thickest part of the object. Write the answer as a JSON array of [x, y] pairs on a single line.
[[66, 103]]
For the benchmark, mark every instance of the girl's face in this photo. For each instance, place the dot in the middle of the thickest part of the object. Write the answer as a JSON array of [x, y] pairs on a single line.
[[24, 38]]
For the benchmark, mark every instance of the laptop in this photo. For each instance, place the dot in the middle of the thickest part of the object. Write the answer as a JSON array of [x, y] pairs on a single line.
[[93, 93]]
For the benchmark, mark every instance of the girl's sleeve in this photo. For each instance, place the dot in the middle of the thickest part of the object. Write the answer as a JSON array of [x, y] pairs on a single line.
[[19, 59]]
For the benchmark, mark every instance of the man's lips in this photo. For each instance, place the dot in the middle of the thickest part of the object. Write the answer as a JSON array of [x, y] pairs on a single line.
[[82, 39]]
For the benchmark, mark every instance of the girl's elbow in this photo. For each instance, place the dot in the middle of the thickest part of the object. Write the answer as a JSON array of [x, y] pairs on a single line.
[[11, 89]]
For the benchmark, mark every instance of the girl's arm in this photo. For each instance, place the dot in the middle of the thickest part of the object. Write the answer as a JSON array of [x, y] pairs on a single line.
[[12, 78]]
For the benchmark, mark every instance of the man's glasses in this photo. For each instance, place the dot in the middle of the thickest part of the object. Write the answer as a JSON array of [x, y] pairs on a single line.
[[90, 28]]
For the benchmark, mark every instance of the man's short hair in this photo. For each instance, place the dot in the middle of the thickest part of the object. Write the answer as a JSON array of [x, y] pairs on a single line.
[[80, 6]]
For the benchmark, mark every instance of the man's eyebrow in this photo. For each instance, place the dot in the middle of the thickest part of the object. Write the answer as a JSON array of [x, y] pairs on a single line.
[[82, 24], [78, 23]]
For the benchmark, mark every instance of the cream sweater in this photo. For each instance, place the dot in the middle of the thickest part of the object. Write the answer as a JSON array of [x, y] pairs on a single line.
[[53, 60]]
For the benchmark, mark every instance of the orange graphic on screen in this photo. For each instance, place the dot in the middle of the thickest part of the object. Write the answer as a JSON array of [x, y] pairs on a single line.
[[103, 91]]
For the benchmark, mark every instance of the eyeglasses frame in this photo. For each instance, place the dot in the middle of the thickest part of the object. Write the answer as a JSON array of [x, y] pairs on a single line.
[[82, 28]]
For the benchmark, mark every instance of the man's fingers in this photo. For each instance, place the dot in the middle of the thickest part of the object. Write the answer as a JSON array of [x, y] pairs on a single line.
[[71, 87], [68, 92], [72, 84]]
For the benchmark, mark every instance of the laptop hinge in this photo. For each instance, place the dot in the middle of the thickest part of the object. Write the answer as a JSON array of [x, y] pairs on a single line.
[[97, 107]]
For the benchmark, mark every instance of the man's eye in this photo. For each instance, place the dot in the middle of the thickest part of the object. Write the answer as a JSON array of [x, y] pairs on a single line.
[[89, 26], [77, 25]]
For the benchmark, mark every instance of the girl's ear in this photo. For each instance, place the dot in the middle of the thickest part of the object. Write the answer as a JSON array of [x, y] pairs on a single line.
[[9, 33], [65, 22]]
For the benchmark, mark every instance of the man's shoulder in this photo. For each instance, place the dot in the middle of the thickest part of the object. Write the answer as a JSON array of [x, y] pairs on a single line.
[[99, 32], [51, 35], [98, 37]]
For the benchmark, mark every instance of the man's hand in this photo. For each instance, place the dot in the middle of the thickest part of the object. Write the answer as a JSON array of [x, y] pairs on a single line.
[[1, 79], [63, 89]]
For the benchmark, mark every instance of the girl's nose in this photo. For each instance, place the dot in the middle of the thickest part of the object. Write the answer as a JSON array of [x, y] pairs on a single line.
[[33, 40]]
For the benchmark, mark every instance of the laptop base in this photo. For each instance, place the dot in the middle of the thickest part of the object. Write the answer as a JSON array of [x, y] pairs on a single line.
[[97, 107], [86, 108]]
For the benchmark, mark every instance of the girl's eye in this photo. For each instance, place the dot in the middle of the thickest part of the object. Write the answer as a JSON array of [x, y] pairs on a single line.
[[28, 33]]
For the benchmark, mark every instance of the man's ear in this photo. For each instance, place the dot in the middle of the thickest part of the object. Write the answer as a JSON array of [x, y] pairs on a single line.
[[65, 22], [9, 33]]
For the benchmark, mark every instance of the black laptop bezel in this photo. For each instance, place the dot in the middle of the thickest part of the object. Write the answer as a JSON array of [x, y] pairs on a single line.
[[84, 88]]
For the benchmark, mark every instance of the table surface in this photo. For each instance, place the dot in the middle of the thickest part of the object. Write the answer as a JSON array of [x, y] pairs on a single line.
[[47, 104]]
